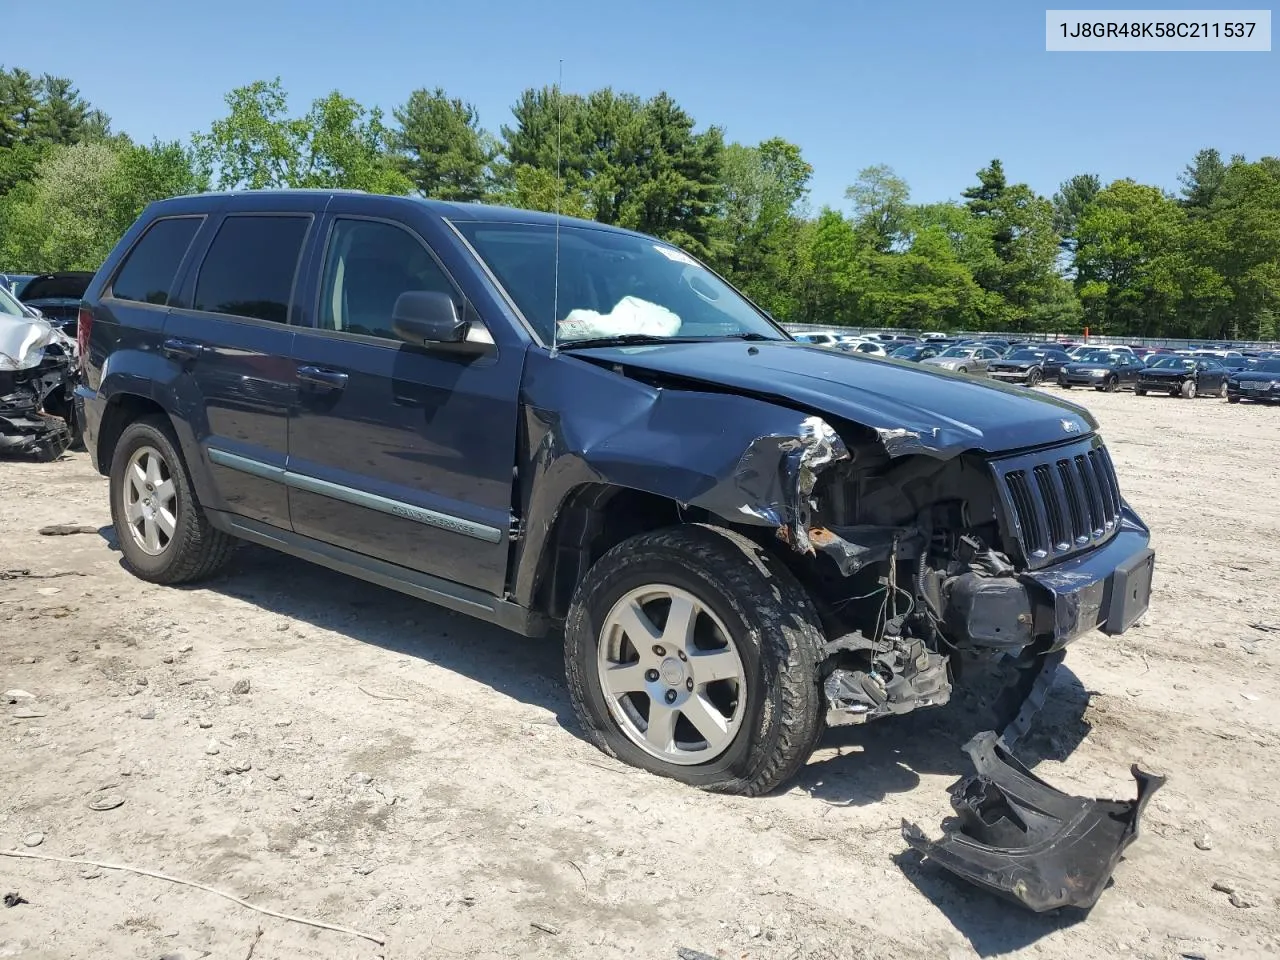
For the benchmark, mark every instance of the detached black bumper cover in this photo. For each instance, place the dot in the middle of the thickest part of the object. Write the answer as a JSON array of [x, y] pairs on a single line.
[[1022, 839]]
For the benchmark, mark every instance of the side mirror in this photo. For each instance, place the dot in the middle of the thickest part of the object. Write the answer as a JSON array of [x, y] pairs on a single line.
[[427, 317]]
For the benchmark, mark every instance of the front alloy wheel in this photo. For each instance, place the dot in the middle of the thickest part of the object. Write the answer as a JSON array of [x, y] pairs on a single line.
[[692, 653], [671, 674]]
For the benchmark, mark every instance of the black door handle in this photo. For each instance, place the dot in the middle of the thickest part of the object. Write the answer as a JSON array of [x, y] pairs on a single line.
[[323, 378], [184, 349]]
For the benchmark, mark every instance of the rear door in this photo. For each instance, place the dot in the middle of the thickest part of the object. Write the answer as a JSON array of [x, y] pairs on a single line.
[[398, 451], [230, 331]]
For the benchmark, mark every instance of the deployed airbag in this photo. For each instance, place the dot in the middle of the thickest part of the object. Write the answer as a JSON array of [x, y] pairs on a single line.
[[1022, 839], [630, 315]]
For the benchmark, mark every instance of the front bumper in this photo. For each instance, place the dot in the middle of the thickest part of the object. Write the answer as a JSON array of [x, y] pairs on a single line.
[[1016, 836], [1013, 376], [1162, 386], [1107, 588], [1243, 391], [1082, 379]]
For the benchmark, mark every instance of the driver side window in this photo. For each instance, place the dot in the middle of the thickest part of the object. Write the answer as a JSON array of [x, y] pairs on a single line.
[[367, 266]]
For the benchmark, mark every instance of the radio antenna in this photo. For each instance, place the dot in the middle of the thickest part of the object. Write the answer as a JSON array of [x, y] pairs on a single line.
[[555, 289]]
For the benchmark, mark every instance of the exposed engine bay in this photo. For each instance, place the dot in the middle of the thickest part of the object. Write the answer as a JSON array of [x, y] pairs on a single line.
[[912, 585], [38, 371]]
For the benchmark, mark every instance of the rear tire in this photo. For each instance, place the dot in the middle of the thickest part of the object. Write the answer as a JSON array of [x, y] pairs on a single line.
[[1064, 385], [161, 528], [776, 711], [1222, 389]]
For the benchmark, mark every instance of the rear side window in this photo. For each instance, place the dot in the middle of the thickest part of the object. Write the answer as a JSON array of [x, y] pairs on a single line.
[[148, 271], [250, 266]]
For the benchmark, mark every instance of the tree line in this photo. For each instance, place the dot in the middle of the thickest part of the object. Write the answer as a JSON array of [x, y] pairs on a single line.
[[1124, 258]]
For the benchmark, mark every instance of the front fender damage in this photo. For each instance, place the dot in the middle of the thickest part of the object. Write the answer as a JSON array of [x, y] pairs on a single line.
[[1020, 838]]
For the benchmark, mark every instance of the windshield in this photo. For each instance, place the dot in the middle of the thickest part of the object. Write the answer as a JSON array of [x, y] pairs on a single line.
[[910, 353], [9, 306], [1174, 363], [611, 284], [958, 352], [1026, 355], [1267, 366], [1093, 355]]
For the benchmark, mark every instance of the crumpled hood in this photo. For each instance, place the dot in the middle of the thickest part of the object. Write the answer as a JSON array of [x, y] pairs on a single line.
[[1165, 373], [914, 408]]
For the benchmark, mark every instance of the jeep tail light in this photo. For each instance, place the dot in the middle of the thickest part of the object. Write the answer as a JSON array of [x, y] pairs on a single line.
[[84, 323]]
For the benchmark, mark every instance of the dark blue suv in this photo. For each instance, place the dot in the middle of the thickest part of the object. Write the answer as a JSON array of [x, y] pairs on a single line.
[[557, 425]]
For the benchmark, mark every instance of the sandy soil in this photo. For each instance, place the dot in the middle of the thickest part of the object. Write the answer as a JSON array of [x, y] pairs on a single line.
[[410, 773]]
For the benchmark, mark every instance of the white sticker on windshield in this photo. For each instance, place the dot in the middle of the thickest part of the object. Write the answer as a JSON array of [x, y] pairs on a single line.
[[679, 256]]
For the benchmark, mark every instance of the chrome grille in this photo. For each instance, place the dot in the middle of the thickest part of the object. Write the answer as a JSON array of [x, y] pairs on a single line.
[[1060, 501]]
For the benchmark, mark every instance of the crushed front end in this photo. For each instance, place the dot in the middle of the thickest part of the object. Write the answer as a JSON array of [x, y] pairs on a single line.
[[37, 384], [933, 571]]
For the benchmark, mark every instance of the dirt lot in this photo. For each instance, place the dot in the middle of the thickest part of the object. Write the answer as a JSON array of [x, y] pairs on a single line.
[[410, 773]]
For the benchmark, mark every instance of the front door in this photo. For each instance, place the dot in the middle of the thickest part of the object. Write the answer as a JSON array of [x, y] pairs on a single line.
[[230, 333], [399, 451]]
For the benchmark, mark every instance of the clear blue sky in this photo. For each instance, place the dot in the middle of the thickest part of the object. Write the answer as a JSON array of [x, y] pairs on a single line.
[[934, 89]]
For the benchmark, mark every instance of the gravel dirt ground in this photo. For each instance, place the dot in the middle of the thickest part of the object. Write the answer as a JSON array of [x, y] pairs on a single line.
[[325, 748]]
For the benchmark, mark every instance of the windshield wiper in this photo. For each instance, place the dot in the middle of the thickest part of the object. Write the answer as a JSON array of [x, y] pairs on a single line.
[[621, 340], [631, 339]]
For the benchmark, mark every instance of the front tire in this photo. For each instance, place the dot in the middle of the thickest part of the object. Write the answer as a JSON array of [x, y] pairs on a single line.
[[1231, 399], [161, 528], [1140, 391], [1034, 378], [1189, 390], [733, 679]]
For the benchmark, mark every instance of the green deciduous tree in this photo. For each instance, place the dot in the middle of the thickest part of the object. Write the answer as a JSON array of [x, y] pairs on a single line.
[[1133, 271], [337, 144], [757, 233], [880, 202], [83, 198]]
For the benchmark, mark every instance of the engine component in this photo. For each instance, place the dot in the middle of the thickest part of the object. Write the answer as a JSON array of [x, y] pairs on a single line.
[[990, 612], [905, 677]]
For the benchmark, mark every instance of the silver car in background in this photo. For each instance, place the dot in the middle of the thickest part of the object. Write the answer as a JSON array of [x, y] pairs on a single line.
[[965, 358]]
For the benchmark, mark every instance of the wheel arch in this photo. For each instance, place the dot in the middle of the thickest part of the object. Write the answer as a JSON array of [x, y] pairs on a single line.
[[127, 403]]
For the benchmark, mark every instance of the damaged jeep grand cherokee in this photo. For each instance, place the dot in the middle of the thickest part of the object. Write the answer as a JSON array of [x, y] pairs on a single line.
[[556, 425]]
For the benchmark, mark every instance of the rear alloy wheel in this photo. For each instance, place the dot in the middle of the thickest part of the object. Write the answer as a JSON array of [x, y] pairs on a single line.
[[160, 525], [692, 654], [1189, 389]]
